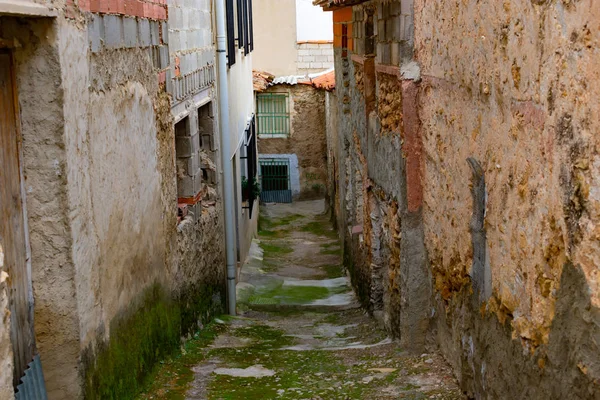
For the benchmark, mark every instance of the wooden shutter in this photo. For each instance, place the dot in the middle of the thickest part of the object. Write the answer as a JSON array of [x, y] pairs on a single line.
[[251, 26], [246, 43], [230, 32], [240, 24], [12, 228]]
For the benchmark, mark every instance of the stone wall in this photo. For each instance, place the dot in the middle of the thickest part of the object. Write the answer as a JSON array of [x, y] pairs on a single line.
[[527, 76], [307, 139], [466, 185]]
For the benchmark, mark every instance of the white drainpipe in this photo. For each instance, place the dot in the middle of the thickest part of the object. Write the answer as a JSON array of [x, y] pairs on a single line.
[[227, 174]]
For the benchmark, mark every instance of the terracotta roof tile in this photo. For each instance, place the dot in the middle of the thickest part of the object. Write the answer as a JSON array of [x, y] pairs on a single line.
[[325, 81]]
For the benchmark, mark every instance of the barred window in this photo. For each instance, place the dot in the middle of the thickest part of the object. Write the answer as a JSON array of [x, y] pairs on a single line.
[[273, 113]]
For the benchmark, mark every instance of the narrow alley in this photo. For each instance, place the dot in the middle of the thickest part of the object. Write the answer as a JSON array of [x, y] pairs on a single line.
[[302, 334], [299, 199]]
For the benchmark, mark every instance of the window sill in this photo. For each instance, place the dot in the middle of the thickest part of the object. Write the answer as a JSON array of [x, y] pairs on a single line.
[[277, 136]]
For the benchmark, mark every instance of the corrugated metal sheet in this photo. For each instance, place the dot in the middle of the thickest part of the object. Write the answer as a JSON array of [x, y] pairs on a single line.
[[276, 196], [32, 385], [287, 80]]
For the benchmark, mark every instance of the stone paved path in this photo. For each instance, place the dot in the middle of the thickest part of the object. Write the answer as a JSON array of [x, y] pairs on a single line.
[[300, 333]]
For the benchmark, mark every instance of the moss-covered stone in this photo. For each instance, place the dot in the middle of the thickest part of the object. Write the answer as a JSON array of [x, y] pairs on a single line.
[[143, 336]]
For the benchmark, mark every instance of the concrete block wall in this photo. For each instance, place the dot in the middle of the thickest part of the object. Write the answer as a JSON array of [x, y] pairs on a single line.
[[187, 150], [192, 51], [314, 56], [393, 30]]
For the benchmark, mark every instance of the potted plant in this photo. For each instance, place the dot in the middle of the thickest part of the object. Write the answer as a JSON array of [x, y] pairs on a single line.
[[250, 192]]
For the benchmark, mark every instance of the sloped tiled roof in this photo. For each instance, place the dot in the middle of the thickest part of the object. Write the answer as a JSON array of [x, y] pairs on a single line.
[[323, 80], [336, 3]]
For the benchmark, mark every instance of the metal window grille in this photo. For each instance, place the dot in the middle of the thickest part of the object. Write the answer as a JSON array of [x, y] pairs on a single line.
[[275, 180], [273, 114], [344, 40], [230, 11]]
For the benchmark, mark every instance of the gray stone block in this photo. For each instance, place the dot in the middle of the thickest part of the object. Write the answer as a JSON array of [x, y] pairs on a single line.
[[163, 56], [186, 146], [169, 82], [389, 27], [96, 33], [155, 32], [192, 165], [381, 30], [384, 55], [144, 32], [189, 186], [130, 32], [113, 31], [165, 32]]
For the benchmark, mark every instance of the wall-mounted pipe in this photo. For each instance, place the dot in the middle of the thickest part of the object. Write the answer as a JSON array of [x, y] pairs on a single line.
[[226, 161]]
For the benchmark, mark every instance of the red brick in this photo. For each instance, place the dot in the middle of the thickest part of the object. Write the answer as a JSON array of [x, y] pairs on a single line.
[[71, 10], [413, 145], [146, 10], [342, 15], [139, 8], [95, 5], [162, 77], [104, 6], [162, 13], [337, 29], [113, 6], [337, 41], [121, 7]]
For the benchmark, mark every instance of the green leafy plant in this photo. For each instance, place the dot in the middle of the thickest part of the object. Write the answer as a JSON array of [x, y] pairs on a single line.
[[250, 192]]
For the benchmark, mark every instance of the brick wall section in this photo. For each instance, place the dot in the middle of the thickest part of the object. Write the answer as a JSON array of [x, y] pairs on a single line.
[[413, 146], [314, 56], [393, 29], [342, 17], [134, 8]]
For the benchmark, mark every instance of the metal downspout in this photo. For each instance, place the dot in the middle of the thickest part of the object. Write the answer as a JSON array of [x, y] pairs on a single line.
[[229, 210]]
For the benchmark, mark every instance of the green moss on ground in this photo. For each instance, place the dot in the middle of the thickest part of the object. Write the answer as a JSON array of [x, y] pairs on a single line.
[[273, 248], [333, 271], [295, 294], [320, 228], [171, 379]]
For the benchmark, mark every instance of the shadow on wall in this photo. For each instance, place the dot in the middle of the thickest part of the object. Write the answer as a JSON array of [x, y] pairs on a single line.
[[567, 367]]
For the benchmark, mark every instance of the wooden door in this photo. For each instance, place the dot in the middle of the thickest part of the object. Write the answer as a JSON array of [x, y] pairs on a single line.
[[12, 229]]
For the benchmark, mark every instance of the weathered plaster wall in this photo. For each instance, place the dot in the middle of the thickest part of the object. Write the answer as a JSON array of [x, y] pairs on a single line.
[[40, 92], [307, 139], [6, 355], [124, 188], [518, 93]]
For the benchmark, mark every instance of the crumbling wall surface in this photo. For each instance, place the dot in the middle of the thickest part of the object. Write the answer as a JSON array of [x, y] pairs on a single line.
[[517, 93], [308, 139], [200, 276], [6, 355]]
